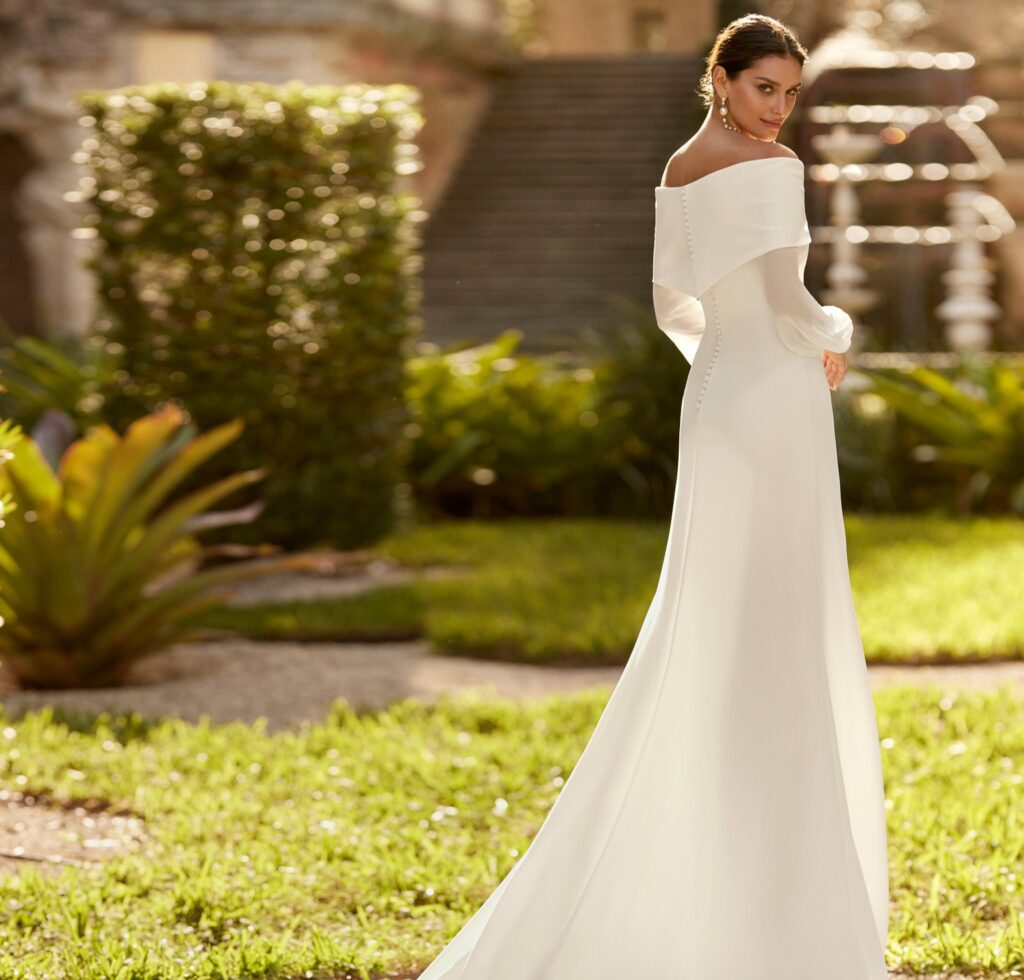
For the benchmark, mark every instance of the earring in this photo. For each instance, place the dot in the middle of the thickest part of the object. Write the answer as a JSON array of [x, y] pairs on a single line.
[[723, 111]]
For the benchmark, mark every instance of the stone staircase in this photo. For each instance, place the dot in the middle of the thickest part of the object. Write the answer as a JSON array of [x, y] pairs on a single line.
[[551, 212]]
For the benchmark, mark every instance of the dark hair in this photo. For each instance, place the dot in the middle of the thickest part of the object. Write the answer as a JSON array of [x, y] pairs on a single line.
[[742, 42]]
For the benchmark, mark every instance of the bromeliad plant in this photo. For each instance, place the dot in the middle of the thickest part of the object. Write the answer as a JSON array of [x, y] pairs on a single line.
[[10, 434], [98, 567], [974, 421]]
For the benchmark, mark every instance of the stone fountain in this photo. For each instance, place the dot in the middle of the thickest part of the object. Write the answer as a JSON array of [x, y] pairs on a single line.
[[973, 218], [845, 149]]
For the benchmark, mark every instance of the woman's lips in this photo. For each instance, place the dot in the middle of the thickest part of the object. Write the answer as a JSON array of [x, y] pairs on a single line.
[[773, 125]]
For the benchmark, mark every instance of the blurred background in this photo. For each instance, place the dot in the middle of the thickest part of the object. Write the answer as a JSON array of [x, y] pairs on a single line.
[[562, 111], [391, 261], [525, 188]]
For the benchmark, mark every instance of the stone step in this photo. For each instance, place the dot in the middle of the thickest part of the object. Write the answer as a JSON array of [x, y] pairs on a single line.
[[551, 211]]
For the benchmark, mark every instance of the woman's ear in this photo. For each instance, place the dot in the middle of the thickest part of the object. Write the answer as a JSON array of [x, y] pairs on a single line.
[[718, 81]]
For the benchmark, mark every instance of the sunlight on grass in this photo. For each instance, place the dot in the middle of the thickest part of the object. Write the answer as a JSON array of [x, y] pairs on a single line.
[[577, 590], [358, 846], [925, 586]]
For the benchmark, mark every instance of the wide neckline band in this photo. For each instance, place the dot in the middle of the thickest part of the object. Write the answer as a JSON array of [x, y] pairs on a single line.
[[732, 166]]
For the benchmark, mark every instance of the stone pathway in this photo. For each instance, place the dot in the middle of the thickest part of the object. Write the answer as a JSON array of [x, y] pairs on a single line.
[[289, 683], [334, 574]]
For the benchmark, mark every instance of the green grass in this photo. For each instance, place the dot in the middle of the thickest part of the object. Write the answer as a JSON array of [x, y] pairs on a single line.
[[535, 590], [358, 846], [392, 612], [576, 591], [930, 587]]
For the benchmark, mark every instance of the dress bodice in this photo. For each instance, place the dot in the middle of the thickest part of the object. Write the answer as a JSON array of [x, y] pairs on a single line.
[[712, 226]]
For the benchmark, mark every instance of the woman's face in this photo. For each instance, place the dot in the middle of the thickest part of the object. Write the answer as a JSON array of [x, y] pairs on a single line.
[[762, 95]]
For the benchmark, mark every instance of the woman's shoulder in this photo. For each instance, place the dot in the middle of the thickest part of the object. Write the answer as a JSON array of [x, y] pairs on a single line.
[[778, 150], [693, 162]]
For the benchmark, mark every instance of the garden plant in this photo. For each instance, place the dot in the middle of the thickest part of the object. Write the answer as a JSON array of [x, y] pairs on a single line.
[[99, 563]]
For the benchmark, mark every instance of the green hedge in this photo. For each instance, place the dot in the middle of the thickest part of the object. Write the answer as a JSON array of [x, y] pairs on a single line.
[[497, 433], [257, 259]]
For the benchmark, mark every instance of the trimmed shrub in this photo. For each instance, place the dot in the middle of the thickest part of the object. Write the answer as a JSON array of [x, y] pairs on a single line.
[[640, 381], [495, 432], [256, 260]]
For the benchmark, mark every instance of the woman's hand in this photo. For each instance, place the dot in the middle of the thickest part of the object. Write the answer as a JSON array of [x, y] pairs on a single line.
[[835, 367]]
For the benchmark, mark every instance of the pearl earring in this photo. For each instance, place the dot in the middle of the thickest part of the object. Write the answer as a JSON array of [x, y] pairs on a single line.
[[723, 111]]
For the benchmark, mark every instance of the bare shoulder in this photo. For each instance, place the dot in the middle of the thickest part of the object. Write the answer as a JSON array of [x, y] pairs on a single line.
[[696, 159], [778, 150], [762, 150], [683, 164]]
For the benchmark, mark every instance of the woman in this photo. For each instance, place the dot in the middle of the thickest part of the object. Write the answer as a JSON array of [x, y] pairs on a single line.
[[726, 819]]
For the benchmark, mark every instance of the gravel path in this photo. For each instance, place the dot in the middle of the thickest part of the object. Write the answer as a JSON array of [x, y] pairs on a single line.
[[289, 683]]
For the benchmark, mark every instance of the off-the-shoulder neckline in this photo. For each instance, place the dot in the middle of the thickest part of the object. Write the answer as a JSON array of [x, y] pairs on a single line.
[[732, 166]]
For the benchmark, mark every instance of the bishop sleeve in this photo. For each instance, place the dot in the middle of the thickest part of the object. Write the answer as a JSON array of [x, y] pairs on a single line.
[[680, 316], [804, 326]]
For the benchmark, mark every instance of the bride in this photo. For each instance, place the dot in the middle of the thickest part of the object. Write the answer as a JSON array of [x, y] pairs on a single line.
[[726, 819]]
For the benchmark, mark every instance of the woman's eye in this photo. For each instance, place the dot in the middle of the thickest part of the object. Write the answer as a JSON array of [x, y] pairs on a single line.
[[766, 89]]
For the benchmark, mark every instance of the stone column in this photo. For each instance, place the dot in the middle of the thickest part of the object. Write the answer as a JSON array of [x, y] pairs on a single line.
[[64, 297]]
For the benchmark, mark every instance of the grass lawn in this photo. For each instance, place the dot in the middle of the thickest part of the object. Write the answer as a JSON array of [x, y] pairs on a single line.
[[577, 590], [356, 847]]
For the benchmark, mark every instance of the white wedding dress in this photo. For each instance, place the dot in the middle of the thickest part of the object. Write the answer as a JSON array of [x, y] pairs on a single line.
[[726, 819]]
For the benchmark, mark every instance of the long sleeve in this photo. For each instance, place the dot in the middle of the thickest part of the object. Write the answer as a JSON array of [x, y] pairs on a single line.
[[680, 316], [804, 326]]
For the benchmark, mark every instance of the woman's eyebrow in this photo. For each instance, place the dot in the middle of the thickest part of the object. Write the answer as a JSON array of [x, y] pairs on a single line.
[[773, 82]]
